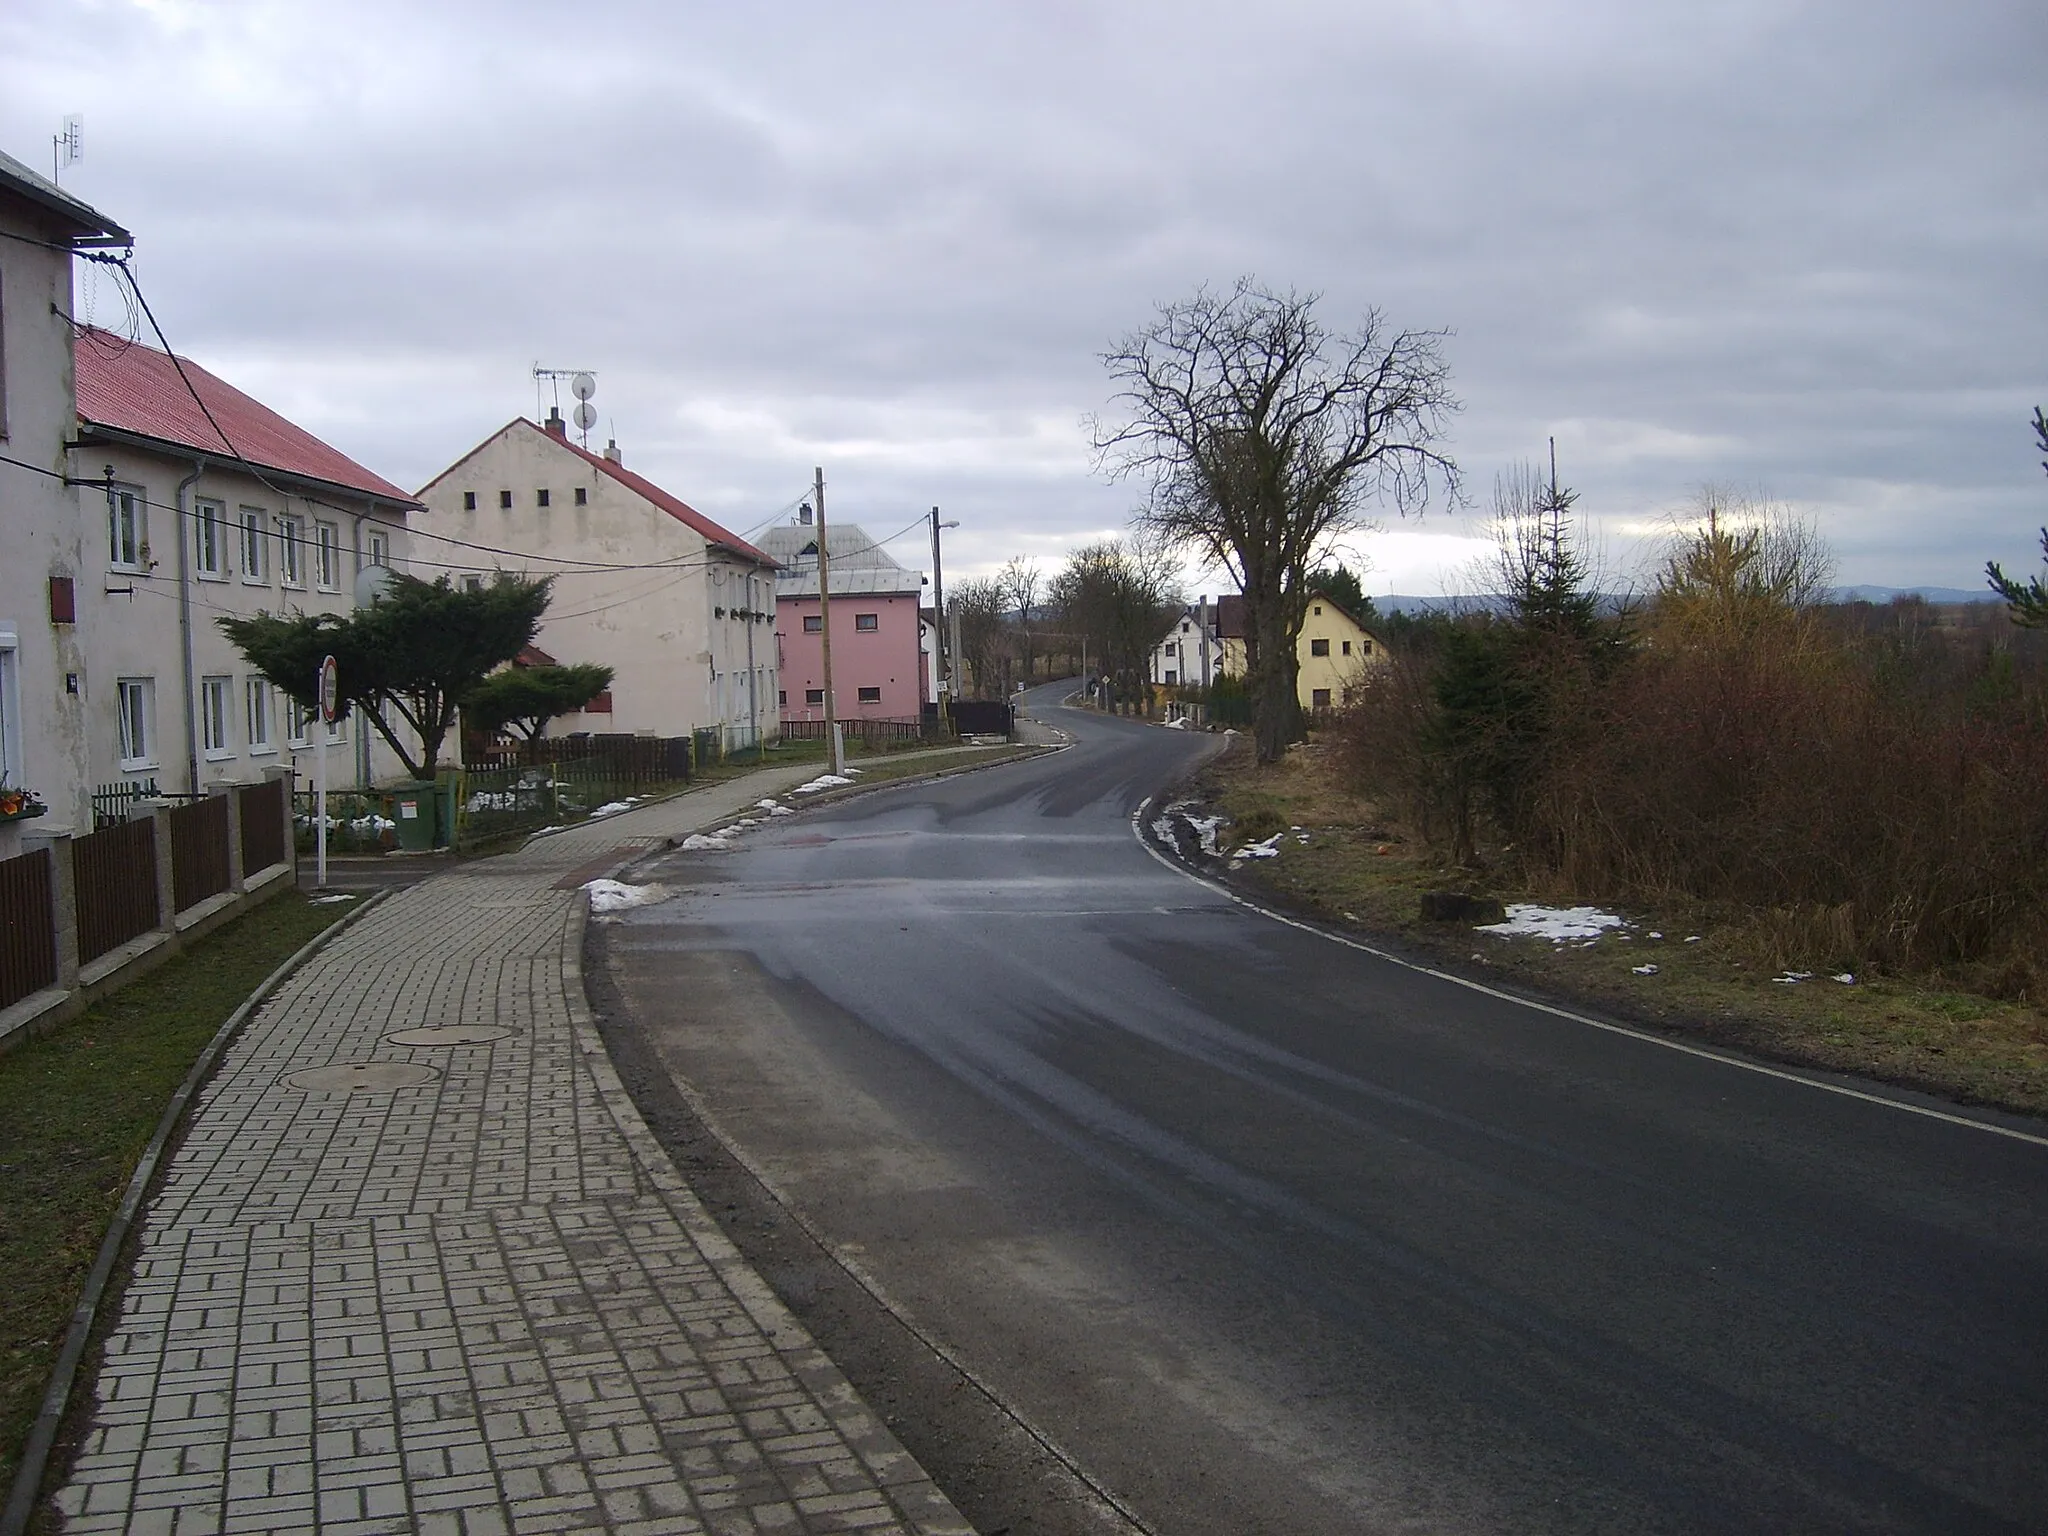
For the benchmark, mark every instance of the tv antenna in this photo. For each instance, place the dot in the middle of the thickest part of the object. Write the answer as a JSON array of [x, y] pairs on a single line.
[[582, 384], [68, 147]]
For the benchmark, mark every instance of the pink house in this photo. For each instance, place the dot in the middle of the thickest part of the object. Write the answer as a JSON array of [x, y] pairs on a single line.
[[878, 670]]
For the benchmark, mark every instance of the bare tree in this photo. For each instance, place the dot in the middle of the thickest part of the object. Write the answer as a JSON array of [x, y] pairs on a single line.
[[1262, 436], [977, 606], [1119, 597], [1021, 580]]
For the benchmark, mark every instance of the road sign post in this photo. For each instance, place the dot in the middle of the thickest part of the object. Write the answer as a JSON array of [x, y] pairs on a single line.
[[329, 693]]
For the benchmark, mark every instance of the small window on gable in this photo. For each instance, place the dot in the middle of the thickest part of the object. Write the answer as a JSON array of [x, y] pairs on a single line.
[[582, 495], [540, 497], [1319, 610], [1365, 647], [505, 500], [469, 501], [1347, 647]]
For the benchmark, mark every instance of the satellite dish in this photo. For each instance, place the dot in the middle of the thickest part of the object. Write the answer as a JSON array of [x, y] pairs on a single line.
[[583, 386], [586, 414], [372, 583]]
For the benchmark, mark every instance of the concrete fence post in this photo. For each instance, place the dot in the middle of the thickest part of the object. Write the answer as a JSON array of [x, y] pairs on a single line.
[[63, 898], [237, 881], [159, 813]]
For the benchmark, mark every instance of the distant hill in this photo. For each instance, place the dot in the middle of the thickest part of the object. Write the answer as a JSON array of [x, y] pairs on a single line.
[[1397, 603]]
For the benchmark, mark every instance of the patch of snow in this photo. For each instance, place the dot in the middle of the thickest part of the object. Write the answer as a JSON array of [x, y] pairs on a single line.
[[1793, 978], [1645, 970], [1557, 924], [1656, 935], [1176, 725], [615, 896], [698, 840], [1692, 938], [822, 781], [773, 807], [328, 901], [1847, 978], [611, 808], [1269, 849]]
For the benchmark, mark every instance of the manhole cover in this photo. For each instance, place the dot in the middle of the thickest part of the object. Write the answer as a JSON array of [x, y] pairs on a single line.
[[451, 1034], [361, 1077]]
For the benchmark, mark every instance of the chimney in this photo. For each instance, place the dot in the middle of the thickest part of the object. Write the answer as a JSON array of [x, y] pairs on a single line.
[[611, 451], [803, 515], [556, 427]]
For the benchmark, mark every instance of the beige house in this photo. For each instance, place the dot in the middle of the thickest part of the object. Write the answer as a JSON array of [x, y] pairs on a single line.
[[1334, 650], [48, 567], [186, 526], [680, 609]]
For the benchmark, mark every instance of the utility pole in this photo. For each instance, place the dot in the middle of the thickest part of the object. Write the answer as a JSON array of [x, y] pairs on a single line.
[[833, 749], [939, 619]]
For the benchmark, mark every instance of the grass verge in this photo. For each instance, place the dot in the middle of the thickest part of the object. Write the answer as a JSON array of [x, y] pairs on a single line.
[[1714, 973], [78, 1106]]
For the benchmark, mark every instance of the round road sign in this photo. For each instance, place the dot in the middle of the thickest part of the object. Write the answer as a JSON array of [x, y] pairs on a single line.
[[330, 690]]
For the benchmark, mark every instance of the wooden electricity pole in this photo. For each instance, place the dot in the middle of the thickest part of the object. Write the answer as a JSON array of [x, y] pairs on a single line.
[[833, 751]]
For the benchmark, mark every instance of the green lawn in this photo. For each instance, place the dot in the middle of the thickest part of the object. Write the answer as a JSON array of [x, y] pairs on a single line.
[[76, 1110]]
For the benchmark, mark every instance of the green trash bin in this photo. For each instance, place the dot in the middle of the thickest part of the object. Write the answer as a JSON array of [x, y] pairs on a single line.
[[412, 807], [447, 794]]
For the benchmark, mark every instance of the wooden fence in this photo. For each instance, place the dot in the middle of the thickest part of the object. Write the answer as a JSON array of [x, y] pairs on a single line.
[[114, 872], [28, 928], [870, 733], [199, 852], [263, 808]]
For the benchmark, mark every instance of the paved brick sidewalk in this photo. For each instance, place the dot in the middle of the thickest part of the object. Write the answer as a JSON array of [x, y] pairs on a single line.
[[483, 1304]]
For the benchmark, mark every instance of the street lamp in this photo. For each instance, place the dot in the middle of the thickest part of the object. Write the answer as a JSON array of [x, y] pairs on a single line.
[[939, 605]]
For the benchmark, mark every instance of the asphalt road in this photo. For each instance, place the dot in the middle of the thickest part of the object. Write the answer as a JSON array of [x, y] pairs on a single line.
[[1268, 1234]]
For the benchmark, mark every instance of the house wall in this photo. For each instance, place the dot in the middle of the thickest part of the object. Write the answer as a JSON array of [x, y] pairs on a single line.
[[1178, 658], [1351, 652], [134, 612], [47, 748], [887, 659], [683, 660]]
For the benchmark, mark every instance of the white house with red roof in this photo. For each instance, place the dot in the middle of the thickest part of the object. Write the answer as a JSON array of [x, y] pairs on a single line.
[[681, 609], [201, 503]]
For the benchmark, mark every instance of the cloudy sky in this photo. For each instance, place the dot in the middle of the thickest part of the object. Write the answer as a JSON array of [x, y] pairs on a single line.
[[1797, 249]]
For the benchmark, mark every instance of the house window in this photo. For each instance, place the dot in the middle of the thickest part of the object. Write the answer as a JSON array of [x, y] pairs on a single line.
[[815, 696], [472, 583], [327, 556], [380, 549], [1347, 647], [1319, 647], [1319, 698], [1171, 677], [867, 623], [301, 723], [1173, 648], [127, 530], [10, 710], [1319, 610], [540, 497], [582, 495], [469, 501], [216, 708], [1365, 647], [814, 623], [138, 722], [782, 698], [209, 538], [505, 500], [255, 546], [256, 714], [871, 695], [291, 548]]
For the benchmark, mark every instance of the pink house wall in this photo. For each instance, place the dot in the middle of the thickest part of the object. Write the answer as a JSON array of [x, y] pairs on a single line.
[[884, 658]]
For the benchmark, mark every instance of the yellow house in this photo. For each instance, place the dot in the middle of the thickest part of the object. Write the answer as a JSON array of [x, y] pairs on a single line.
[[1334, 649]]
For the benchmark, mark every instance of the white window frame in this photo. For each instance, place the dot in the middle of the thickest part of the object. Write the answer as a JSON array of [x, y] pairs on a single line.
[[327, 556], [257, 716], [209, 523], [217, 718], [127, 529], [291, 549], [255, 526], [380, 549], [10, 709], [135, 698], [299, 732]]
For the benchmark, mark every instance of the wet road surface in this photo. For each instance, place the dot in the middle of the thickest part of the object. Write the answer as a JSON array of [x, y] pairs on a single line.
[[1269, 1234]]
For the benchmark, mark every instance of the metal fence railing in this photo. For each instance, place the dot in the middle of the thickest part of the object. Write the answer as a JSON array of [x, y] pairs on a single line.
[[113, 803]]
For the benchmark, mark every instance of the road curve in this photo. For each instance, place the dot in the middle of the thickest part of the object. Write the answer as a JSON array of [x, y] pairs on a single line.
[[1269, 1234]]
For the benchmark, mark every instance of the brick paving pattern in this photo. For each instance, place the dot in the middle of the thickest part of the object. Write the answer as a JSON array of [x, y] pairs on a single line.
[[483, 1305]]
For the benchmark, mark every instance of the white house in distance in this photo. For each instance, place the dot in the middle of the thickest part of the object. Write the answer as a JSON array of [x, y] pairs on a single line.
[[187, 527], [1191, 653], [680, 609], [47, 559]]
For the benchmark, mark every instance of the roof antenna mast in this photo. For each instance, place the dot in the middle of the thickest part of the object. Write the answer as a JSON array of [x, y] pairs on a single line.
[[68, 147], [582, 384]]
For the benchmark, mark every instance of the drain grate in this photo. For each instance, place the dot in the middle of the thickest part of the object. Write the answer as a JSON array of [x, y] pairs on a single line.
[[451, 1034], [361, 1077]]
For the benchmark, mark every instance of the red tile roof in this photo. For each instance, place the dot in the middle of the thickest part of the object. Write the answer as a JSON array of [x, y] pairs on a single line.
[[674, 506], [127, 387]]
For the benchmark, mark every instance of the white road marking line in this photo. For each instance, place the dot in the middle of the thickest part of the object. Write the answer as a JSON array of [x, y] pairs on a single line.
[[1137, 831]]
